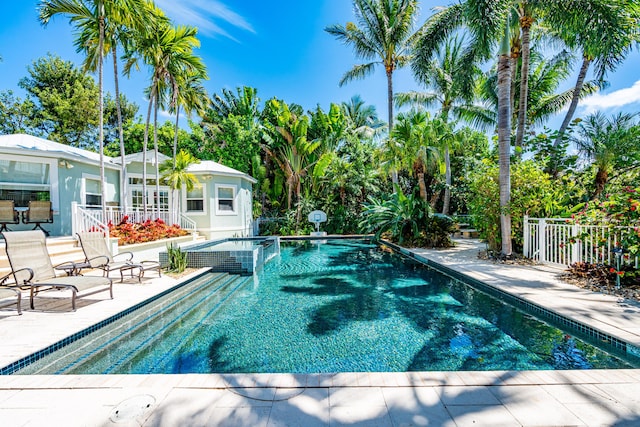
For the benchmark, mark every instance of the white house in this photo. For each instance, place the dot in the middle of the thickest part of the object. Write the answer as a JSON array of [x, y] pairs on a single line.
[[33, 168]]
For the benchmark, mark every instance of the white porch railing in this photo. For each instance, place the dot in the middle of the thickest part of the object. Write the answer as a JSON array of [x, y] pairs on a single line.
[[92, 219], [558, 241]]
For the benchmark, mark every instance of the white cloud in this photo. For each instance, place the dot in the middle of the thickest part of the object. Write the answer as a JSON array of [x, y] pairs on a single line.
[[204, 14], [616, 99]]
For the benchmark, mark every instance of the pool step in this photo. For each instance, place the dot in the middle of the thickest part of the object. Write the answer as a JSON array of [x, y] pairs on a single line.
[[149, 317]]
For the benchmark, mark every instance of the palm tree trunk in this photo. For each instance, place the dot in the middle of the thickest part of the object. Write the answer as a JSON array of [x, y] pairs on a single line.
[[123, 167], [175, 136], [504, 146], [145, 145], [174, 194], [422, 186], [447, 178], [390, 98], [525, 23], [103, 181], [155, 156], [574, 100]]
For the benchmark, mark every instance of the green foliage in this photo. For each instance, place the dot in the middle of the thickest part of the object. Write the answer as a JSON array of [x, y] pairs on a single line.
[[66, 102], [232, 143], [620, 213], [15, 114], [177, 259], [531, 194], [134, 136], [403, 217]]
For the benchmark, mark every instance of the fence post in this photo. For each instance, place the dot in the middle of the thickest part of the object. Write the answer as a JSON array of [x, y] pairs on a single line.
[[527, 235], [74, 218], [575, 247], [542, 240]]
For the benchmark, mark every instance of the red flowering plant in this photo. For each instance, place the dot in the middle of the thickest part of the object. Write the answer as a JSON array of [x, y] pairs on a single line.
[[147, 231], [619, 215]]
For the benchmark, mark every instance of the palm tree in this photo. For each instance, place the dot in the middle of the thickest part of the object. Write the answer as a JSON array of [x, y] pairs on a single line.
[[450, 77], [123, 22], [169, 51], [175, 173], [192, 96], [606, 143], [382, 36], [87, 13], [418, 135], [362, 118], [603, 30], [487, 23]]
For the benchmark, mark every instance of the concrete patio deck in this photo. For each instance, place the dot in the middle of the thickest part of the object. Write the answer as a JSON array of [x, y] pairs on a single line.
[[496, 398]]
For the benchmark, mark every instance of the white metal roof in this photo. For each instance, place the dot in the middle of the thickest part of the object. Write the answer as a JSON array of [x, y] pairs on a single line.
[[43, 147], [209, 166], [47, 148]]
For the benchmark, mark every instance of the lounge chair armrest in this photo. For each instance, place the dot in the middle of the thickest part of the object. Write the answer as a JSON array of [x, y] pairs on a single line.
[[129, 255], [13, 273], [65, 265], [4, 278], [98, 261]]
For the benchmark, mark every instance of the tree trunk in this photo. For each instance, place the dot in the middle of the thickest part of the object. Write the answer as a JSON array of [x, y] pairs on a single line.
[[574, 100], [601, 180], [145, 145], [175, 136], [422, 186], [525, 24], [155, 155], [447, 174], [123, 167], [103, 182], [504, 147], [390, 98]]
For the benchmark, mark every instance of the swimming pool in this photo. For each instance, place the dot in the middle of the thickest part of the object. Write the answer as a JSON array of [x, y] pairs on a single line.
[[339, 306]]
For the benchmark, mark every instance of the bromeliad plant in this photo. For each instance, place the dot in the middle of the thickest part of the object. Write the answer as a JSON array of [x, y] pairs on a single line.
[[148, 231]]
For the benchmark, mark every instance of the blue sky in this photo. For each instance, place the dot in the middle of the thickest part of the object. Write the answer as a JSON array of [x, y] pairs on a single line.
[[278, 47]]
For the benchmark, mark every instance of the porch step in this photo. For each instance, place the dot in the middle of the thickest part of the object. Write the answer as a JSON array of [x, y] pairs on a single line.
[[61, 249]]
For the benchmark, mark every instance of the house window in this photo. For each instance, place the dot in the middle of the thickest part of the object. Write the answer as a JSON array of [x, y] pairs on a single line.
[[225, 204], [92, 193], [24, 181], [195, 200]]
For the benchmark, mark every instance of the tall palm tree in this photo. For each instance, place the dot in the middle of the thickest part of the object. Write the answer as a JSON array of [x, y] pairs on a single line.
[[449, 76], [487, 23], [192, 96], [83, 13], [122, 23], [175, 173], [606, 142], [168, 51], [382, 35], [603, 30]]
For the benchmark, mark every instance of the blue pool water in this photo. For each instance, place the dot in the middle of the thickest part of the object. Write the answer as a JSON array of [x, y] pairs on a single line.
[[339, 306]]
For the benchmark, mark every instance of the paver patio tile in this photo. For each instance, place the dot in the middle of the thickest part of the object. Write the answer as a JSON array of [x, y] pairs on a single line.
[[356, 396], [481, 415]]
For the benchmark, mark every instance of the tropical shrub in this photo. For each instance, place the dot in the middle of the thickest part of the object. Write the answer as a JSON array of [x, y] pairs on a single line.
[[531, 194], [128, 233], [620, 214]]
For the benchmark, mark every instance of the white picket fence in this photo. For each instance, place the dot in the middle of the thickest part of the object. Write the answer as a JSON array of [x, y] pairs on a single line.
[[92, 219], [558, 241]]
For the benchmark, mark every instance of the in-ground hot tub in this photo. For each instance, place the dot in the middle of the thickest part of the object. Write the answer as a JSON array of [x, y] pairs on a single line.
[[232, 255]]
